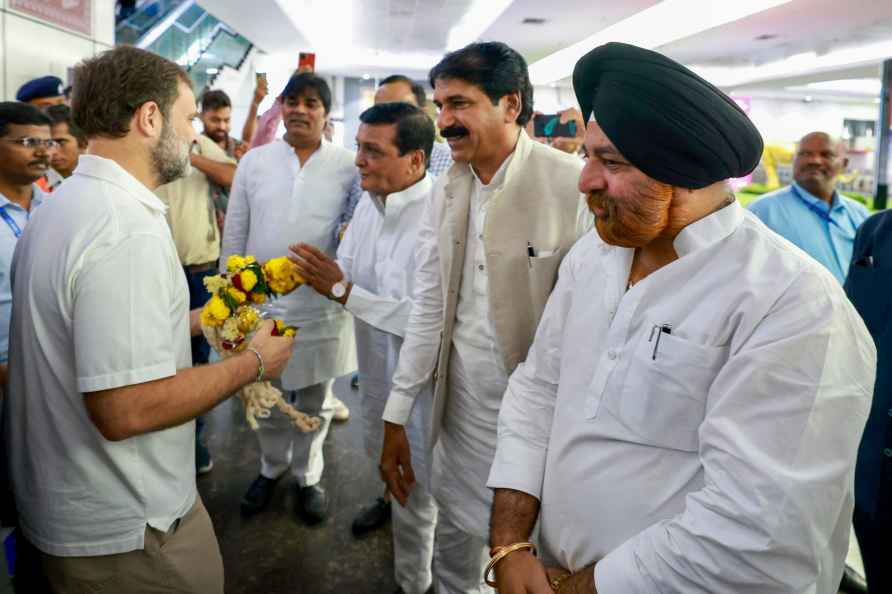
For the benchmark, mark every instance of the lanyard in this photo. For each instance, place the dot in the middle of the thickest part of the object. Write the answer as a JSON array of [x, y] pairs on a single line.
[[820, 212], [16, 230]]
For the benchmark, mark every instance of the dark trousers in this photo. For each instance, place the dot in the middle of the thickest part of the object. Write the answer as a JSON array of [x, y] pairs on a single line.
[[201, 350], [873, 537], [198, 296]]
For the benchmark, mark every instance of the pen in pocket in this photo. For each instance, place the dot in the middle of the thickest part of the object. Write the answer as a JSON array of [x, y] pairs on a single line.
[[659, 329]]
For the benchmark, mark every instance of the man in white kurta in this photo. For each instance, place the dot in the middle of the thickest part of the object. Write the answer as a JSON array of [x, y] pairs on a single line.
[[291, 190], [374, 268], [689, 413], [491, 238]]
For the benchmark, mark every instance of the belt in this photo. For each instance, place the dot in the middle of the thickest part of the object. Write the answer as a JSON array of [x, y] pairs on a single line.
[[196, 268]]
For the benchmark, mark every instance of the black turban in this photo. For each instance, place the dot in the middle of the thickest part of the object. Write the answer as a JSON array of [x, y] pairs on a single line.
[[667, 121]]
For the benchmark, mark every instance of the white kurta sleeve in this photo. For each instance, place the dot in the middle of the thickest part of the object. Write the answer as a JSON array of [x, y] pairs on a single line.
[[384, 313], [528, 405], [418, 355], [238, 215], [778, 443]]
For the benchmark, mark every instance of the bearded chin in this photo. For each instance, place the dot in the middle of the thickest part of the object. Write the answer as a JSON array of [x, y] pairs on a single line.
[[639, 220], [170, 157]]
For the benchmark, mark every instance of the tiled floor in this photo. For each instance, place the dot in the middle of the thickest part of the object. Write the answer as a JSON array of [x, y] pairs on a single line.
[[274, 552]]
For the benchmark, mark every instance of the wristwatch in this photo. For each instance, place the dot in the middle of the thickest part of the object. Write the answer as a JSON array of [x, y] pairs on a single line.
[[338, 290]]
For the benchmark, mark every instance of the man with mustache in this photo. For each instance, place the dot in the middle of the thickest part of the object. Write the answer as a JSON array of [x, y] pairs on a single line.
[[70, 145], [295, 190], [688, 416], [398, 87], [495, 229], [374, 266], [26, 143], [810, 212], [98, 418]]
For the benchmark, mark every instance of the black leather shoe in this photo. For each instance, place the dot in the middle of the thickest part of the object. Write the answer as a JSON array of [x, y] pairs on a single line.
[[258, 495], [852, 583], [312, 504], [371, 517]]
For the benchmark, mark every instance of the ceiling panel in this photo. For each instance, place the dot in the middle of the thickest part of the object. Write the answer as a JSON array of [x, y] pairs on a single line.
[[565, 23]]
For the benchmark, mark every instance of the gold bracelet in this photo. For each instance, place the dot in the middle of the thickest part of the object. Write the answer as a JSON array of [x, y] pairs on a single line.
[[500, 553], [557, 581]]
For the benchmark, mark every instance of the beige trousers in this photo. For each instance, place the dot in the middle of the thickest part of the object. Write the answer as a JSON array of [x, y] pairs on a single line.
[[184, 560]]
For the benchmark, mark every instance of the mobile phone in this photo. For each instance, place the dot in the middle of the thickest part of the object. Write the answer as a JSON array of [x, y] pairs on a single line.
[[306, 62], [550, 126]]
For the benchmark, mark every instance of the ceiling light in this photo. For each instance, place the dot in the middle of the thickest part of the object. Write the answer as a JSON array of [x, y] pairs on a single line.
[[366, 76], [852, 86], [808, 98], [327, 24], [212, 70], [476, 20], [797, 65], [653, 27]]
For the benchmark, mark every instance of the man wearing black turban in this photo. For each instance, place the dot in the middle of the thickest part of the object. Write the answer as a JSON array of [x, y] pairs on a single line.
[[687, 418]]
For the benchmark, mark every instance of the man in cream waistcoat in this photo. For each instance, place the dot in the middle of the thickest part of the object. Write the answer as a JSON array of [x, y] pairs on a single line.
[[493, 234]]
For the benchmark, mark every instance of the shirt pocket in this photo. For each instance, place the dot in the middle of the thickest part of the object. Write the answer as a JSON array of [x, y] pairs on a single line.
[[543, 274], [663, 400]]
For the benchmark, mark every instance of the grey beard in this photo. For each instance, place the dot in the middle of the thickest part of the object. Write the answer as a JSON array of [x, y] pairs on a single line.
[[170, 157]]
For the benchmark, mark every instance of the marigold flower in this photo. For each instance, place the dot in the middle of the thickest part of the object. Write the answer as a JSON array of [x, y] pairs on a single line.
[[258, 298], [217, 308], [248, 279], [235, 262], [215, 283], [237, 295], [207, 319], [230, 330], [281, 275]]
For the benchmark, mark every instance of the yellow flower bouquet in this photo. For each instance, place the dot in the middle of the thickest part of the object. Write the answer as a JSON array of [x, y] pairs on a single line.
[[229, 317]]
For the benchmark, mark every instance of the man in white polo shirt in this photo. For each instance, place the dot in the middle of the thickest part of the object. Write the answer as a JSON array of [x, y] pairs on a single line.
[[99, 414]]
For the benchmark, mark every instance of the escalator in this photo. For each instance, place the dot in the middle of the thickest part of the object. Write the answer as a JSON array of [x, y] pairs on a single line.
[[182, 31]]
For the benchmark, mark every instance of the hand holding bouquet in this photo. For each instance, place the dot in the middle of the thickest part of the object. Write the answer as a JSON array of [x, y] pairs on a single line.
[[230, 317]]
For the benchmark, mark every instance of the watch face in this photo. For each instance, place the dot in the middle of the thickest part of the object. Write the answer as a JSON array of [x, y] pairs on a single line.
[[338, 290]]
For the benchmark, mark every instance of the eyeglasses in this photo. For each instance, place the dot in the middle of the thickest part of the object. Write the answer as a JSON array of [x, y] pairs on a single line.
[[33, 143]]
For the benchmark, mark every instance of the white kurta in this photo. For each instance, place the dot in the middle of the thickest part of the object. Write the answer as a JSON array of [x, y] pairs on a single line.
[[720, 459], [378, 256], [477, 381], [275, 202]]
